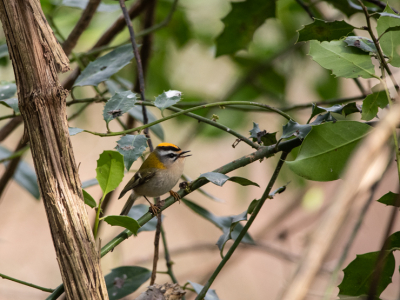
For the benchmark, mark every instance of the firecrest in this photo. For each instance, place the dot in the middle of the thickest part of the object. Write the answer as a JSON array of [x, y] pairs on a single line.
[[158, 174]]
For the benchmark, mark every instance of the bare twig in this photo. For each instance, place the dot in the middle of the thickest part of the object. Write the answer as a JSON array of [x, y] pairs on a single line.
[[80, 27], [381, 4], [244, 230], [9, 127], [306, 8], [26, 283]]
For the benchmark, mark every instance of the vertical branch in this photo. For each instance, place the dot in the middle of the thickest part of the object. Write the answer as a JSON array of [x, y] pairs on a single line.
[[37, 57], [242, 233], [146, 54]]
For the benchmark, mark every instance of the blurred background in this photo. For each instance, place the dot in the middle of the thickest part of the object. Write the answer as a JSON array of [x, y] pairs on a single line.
[[275, 71]]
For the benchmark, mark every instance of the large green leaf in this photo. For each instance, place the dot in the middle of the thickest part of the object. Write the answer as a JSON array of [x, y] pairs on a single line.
[[118, 104], [390, 41], [293, 128], [102, 68], [223, 223], [389, 199], [25, 175], [136, 113], [326, 149], [131, 147], [123, 221], [241, 23], [371, 103], [348, 62], [219, 179], [110, 170], [125, 280], [321, 30], [11, 103], [167, 99], [359, 273], [210, 295]]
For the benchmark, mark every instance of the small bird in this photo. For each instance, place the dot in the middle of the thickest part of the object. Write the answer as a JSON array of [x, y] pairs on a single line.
[[157, 175]]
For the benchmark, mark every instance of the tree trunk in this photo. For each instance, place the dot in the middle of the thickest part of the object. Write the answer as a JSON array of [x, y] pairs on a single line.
[[37, 57]]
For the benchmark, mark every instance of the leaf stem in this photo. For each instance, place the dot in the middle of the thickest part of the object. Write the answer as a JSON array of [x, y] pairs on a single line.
[[97, 220], [27, 283], [242, 233], [225, 103]]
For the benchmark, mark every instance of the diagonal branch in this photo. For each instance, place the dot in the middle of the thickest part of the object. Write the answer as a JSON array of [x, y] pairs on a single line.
[[80, 27]]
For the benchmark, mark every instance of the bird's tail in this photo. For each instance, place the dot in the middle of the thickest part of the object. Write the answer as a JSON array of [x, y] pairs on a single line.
[[129, 203]]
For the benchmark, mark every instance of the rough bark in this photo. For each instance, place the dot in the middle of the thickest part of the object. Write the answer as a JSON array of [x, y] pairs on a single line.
[[36, 57]]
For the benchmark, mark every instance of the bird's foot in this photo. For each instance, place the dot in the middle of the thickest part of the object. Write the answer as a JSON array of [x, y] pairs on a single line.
[[154, 210], [175, 195]]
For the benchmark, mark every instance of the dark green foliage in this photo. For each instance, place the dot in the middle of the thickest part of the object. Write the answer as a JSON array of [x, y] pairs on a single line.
[[321, 30], [241, 22]]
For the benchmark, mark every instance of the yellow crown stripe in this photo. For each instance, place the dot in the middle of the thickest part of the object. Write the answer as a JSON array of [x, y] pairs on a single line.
[[167, 145]]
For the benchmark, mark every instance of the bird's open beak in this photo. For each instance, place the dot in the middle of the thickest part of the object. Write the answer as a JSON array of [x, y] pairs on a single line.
[[183, 152]]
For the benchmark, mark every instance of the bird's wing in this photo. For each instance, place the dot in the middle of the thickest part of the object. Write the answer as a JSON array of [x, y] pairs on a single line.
[[140, 177]]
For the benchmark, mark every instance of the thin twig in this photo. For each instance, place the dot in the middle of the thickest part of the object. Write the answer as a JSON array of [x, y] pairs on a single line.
[[80, 26], [306, 8], [167, 257], [10, 127], [17, 153], [242, 233], [378, 46], [263, 152], [381, 4], [27, 283]]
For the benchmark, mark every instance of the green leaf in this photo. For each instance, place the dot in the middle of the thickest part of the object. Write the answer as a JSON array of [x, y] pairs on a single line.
[[372, 102], [167, 99], [362, 43], [323, 118], [89, 199], [136, 113], [338, 109], [138, 211], [11, 103], [7, 90], [219, 179], [110, 170], [344, 61], [104, 67], [125, 280], [293, 128], [326, 149], [252, 206], [389, 199], [241, 23], [118, 104], [123, 221], [83, 3], [324, 31], [227, 231], [131, 147], [74, 130], [359, 273], [25, 175], [210, 295], [223, 223], [263, 136], [390, 41]]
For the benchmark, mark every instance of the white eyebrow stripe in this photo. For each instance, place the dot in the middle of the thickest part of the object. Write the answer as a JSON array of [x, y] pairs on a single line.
[[167, 152]]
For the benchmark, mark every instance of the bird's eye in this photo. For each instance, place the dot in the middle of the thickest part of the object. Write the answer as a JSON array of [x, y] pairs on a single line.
[[171, 155]]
